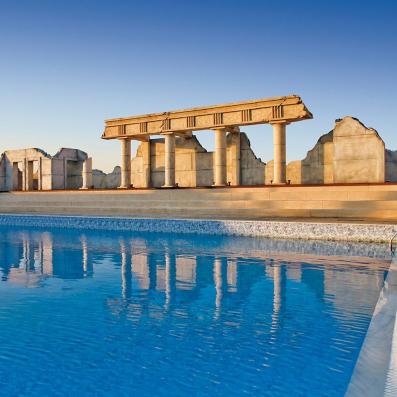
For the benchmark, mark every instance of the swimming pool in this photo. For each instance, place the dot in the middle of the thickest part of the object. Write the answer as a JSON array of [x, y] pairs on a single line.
[[86, 312]]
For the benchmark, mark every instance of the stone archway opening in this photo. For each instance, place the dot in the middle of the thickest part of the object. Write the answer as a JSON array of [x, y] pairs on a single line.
[[17, 178]]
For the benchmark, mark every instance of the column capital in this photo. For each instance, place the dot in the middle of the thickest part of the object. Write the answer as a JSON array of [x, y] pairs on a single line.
[[168, 133], [282, 122], [220, 129]]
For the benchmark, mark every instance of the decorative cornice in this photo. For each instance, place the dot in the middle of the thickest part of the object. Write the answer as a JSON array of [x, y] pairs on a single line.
[[261, 111]]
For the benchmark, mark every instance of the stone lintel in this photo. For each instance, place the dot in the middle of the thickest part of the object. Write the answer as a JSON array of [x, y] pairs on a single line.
[[262, 111]]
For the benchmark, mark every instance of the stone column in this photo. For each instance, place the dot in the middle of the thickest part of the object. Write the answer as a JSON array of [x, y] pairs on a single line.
[[234, 159], [65, 173], [15, 176], [146, 164], [125, 163], [24, 174], [29, 175], [280, 168], [40, 174], [169, 164], [220, 157], [87, 174]]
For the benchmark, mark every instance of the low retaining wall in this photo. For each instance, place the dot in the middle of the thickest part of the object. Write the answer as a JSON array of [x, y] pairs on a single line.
[[363, 203], [379, 233]]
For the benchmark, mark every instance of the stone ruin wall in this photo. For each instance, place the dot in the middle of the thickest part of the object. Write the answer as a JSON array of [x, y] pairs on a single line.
[[350, 153], [101, 180], [194, 165], [34, 161]]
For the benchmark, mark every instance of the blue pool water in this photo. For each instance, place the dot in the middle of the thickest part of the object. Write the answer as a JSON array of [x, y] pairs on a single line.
[[85, 313]]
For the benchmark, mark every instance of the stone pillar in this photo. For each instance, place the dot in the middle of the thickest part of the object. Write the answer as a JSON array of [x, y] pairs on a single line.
[[24, 174], [65, 173], [169, 164], [40, 174], [125, 163], [145, 146], [15, 176], [279, 141], [29, 175], [220, 157], [234, 159], [87, 174]]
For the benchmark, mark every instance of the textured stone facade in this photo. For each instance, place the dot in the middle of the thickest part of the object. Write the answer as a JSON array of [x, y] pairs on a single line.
[[350, 153], [34, 169], [101, 180], [194, 165]]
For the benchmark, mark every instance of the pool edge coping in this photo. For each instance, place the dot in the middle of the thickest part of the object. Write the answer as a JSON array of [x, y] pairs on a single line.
[[328, 231]]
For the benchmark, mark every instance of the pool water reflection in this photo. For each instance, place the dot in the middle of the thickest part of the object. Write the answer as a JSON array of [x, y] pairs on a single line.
[[101, 313]]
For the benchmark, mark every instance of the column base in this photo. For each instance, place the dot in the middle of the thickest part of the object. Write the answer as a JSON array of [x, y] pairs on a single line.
[[125, 187], [168, 186]]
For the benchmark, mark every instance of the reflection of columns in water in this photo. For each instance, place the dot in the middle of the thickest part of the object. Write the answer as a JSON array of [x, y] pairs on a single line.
[[279, 284], [28, 253], [87, 264], [220, 280], [126, 278], [170, 277], [152, 271], [46, 254], [232, 275]]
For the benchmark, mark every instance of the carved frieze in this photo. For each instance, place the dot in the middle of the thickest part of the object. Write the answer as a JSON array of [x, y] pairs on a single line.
[[261, 111]]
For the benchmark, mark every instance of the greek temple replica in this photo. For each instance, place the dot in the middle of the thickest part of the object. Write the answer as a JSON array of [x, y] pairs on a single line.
[[350, 163]]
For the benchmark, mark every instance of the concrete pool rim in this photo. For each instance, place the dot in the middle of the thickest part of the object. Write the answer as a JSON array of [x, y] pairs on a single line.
[[280, 229]]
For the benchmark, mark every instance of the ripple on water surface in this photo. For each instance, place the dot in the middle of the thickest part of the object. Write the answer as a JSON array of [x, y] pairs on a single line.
[[121, 314]]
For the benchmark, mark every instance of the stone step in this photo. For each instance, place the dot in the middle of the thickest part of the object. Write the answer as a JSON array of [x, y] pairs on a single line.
[[201, 204], [365, 192], [213, 212]]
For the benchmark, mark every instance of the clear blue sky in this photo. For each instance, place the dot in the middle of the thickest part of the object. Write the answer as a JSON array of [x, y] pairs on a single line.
[[65, 66]]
